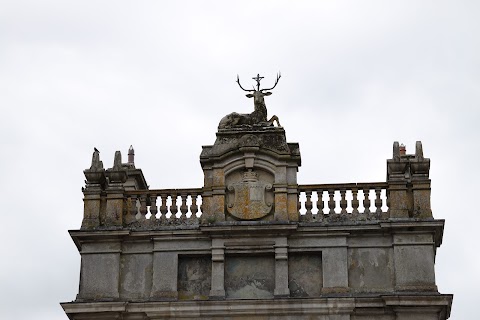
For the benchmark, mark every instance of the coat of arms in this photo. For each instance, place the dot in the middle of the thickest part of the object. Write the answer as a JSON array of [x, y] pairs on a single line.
[[249, 201]]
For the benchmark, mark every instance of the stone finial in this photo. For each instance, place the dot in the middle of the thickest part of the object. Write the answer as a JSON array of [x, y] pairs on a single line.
[[117, 174], [419, 151], [117, 161], [403, 150], [420, 165], [398, 165], [396, 151], [97, 165], [95, 175], [131, 155]]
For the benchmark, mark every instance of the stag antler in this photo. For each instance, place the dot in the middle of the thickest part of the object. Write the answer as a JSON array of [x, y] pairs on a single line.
[[279, 75], [238, 81]]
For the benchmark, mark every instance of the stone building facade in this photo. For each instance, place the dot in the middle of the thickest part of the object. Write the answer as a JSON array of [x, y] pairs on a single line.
[[253, 243]]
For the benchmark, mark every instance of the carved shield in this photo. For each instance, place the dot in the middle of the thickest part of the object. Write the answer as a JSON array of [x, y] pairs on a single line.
[[249, 201]]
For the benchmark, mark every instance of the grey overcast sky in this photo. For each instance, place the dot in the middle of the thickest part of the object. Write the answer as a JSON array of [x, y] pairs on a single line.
[[356, 76]]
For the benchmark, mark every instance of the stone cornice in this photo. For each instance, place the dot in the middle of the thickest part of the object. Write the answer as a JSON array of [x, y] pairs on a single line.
[[368, 304]]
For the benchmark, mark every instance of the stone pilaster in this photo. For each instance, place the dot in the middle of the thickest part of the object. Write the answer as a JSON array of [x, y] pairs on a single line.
[[420, 168], [399, 199], [91, 208], [117, 176], [114, 207], [217, 290], [93, 192], [397, 178], [335, 268], [281, 268], [218, 195]]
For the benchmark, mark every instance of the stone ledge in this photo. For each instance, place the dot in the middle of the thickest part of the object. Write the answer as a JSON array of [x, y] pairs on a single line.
[[275, 307]]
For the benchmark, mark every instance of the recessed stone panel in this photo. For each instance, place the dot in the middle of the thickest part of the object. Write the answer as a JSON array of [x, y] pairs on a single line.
[[249, 277], [370, 269], [194, 277], [414, 267], [99, 276], [136, 276], [305, 275]]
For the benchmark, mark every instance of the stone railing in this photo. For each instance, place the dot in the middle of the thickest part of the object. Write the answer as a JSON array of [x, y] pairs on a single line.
[[358, 201], [119, 197], [163, 206]]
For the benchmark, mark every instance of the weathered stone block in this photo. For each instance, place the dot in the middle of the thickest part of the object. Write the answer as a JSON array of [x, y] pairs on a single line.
[[91, 211], [421, 202], [305, 275], [417, 315], [136, 276], [114, 210], [371, 269], [165, 268], [335, 270], [375, 316], [399, 201], [100, 276], [194, 278], [281, 210], [292, 205], [249, 277], [414, 267]]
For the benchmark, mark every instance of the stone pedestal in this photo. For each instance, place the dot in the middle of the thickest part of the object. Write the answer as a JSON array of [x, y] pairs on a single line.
[[92, 203], [409, 184], [250, 174]]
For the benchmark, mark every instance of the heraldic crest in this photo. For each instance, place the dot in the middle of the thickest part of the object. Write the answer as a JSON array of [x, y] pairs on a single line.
[[249, 202]]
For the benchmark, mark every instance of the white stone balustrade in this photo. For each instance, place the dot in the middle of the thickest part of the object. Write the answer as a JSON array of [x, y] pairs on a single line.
[[318, 202], [164, 206]]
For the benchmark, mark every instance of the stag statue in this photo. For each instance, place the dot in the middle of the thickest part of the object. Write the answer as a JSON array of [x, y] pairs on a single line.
[[259, 115]]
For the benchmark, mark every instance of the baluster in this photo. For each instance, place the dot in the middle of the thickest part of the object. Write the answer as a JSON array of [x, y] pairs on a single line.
[[355, 202], [194, 207], [343, 202], [308, 205], [331, 202], [378, 200], [183, 206], [320, 204], [173, 207], [163, 208], [131, 216], [153, 207], [143, 207], [388, 201], [366, 201], [299, 204]]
